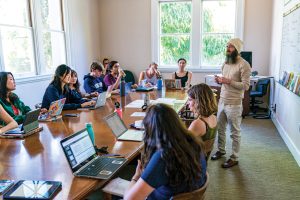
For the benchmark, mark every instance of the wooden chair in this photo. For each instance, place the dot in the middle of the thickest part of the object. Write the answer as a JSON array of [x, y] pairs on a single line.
[[198, 194]]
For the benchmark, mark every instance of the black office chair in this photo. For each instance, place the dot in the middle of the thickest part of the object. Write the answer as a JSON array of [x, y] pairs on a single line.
[[261, 89], [129, 77]]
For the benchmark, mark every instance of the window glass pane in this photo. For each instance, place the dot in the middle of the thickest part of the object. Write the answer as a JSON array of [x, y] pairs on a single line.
[[18, 54], [14, 12], [218, 16], [175, 17], [51, 14], [213, 49], [174, 47], [54, 50]]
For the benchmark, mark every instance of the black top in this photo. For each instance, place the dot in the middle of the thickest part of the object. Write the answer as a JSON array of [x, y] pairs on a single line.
[[183, 79]]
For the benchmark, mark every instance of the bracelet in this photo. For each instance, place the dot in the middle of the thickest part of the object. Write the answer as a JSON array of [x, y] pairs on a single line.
[[133, 180]]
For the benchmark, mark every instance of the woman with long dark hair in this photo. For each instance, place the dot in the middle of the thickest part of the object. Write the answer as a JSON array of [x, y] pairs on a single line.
[[58, 89], [74, 87], [114, 76], [183, 75], [9, 100], [173, 160]]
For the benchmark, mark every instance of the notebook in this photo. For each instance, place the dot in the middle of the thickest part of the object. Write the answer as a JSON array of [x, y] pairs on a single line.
[[120, 131], [29, 126], [144, 89], [54, 111], [83, 159]]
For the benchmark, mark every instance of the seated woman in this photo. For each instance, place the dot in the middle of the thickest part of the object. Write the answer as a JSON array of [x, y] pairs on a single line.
[[9, 122], [58, 89], [93, 82], [184, 76], [9, 100], [74, 87], [173, 160], [114, 76], [202, 103], [150, 75]]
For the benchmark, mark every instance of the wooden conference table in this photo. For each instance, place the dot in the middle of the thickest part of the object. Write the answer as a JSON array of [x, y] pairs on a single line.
[[40, 157]]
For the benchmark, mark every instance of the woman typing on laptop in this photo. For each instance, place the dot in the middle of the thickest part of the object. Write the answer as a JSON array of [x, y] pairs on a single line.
[[9, 100], [10, 123], [58, 89], [173, 160], [74, 86]]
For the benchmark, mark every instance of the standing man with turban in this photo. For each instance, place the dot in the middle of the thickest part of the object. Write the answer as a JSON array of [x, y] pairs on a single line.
[[235, 80]]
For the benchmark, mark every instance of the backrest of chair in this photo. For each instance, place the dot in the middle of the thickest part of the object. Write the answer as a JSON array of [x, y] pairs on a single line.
[[129, 77], [198, 194], [262, 85]]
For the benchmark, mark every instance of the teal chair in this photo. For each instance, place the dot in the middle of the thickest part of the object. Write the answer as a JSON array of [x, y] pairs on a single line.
[[129, 77]]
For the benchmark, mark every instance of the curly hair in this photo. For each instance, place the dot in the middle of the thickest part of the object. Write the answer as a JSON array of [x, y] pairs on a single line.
[[181, 151], [206, 104]]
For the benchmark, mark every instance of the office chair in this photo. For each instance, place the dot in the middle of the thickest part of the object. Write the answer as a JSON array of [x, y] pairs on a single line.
[[261, 89], [129, 77]]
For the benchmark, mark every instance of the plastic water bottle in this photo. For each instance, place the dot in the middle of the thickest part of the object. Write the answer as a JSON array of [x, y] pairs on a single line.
[[90, 131], [118, 109], [159, 84], [146, 99], [122, 87]]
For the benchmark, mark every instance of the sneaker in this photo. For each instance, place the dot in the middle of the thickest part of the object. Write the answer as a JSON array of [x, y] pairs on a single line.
[[229, 163], [217, 155]]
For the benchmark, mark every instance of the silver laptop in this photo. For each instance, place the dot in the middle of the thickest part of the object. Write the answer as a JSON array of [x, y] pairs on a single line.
[[83, 159], [101, 99], [30, 124], [120, 131]]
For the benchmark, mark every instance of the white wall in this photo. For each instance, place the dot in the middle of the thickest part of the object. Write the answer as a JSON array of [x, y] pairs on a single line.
[[84, 31], [126, 34], [287, 116]]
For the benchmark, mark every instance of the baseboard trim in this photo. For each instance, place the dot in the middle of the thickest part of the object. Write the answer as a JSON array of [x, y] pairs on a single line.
[[289, 143]]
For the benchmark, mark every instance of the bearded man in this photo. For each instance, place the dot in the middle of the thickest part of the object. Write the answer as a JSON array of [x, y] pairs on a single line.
[[235, 80]]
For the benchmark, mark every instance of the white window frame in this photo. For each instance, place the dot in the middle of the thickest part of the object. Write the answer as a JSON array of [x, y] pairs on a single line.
[[36, 27], [194, 64]]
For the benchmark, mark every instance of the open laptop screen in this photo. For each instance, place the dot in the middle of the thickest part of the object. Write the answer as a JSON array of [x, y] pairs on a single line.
[[78, 149], [115, 123]]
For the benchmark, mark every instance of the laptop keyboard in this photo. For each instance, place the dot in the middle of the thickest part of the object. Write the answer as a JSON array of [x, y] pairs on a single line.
[[95, 167]]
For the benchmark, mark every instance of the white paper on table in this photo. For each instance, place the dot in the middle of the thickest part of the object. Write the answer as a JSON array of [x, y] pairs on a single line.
[[138, 114], [137, 104], [169, 101], [117, 186]]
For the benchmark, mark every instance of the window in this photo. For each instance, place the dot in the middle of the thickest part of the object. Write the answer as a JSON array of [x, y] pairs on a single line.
[[32, 37], [196, 30]]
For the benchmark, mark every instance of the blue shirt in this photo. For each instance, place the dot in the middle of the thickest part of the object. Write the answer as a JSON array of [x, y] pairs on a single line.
[[53, 93], [156, 177], [93, 84]]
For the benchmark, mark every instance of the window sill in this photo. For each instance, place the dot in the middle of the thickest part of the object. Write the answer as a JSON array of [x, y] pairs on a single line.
[[194, 70], [33, 79]]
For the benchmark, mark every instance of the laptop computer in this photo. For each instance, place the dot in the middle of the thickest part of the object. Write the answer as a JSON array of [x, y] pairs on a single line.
[[54, 111], [83, 159], [100, 101], [29, 126], [120, 131]]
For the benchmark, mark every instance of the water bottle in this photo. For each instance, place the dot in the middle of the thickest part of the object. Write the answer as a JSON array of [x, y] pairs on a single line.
[[90, 131], [146, 99], [118, 109], [159, 84], [122, 87]]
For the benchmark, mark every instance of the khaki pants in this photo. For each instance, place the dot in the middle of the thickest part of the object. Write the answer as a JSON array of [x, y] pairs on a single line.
[[232, 115]]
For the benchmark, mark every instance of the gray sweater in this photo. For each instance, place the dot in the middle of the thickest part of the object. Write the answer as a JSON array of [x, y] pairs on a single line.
[[239, 73]]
